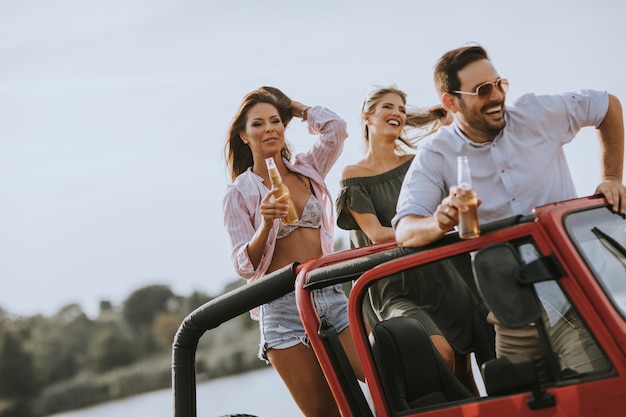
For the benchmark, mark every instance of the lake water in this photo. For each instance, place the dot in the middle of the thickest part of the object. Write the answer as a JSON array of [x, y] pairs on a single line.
[[260, 393]]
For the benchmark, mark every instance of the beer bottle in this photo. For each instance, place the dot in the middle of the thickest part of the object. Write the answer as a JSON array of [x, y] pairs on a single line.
[[468, 221], [283, 196]]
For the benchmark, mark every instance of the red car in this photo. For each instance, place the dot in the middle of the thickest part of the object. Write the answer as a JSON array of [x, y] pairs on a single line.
[[579, 244]]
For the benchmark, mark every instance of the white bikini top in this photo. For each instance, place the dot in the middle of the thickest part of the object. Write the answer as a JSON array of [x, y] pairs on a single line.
[[311, 217]]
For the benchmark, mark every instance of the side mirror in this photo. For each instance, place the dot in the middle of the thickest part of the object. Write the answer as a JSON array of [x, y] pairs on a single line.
[[500, 277]]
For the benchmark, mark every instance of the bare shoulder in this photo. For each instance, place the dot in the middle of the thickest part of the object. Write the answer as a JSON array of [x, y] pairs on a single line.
[[357, 170], [367, 168]]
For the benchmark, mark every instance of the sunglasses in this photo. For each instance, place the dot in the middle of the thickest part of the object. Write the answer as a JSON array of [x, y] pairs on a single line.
[[485, 89]]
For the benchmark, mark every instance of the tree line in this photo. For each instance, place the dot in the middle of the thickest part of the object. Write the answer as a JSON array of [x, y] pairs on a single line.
[[69, 361]]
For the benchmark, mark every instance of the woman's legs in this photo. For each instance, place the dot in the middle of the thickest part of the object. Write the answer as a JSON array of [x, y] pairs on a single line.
[[300, 371], [283, 343], [459, 364], [463, 372], [444, 349], [345, 337]]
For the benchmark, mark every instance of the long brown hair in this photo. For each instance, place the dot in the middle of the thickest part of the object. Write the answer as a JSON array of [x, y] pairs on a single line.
[[238, 155]]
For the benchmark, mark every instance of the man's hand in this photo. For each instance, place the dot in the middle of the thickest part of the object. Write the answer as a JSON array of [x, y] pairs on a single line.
[[615, 193]]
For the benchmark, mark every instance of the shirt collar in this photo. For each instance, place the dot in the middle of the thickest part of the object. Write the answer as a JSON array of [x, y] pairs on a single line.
[[469, 141]]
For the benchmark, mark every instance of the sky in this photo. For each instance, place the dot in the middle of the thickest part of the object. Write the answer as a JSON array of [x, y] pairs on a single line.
[[113, 116]]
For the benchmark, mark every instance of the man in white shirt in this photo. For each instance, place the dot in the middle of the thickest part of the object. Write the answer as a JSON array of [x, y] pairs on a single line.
[[517, 162]]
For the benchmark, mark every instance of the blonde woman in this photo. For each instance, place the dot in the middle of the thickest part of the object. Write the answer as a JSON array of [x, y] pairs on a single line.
[[435, 295]]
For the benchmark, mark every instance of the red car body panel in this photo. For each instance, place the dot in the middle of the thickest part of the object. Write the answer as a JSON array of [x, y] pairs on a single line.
[[599, 397]]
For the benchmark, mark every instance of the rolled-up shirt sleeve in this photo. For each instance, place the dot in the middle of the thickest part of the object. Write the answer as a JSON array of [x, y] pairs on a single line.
[[579, 108], [238, 223], [422, 188], [332, 132]]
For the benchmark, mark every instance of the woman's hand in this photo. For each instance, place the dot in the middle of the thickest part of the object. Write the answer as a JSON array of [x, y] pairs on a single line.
[[299, 110], [273, 207], [445, 117]]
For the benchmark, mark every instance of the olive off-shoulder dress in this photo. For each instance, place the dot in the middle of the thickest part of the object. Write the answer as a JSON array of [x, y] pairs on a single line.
[[435, 294]]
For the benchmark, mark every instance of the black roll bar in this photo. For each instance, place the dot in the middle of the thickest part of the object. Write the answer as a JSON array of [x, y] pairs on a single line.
[[210, 315]]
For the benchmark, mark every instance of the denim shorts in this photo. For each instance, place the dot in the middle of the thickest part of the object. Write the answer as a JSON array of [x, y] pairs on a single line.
[[280, 323]]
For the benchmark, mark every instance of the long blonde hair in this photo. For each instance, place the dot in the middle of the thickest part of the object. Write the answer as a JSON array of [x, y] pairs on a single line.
[[420, 122]]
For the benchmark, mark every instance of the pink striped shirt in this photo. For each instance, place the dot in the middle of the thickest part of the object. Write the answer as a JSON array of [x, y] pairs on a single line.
[[243, 197]]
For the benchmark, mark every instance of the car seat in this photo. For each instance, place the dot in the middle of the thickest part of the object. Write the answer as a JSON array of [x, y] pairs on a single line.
[[412, 372]]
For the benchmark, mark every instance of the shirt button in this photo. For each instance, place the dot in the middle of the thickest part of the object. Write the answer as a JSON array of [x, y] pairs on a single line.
[[502, 170], [513, 199]]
